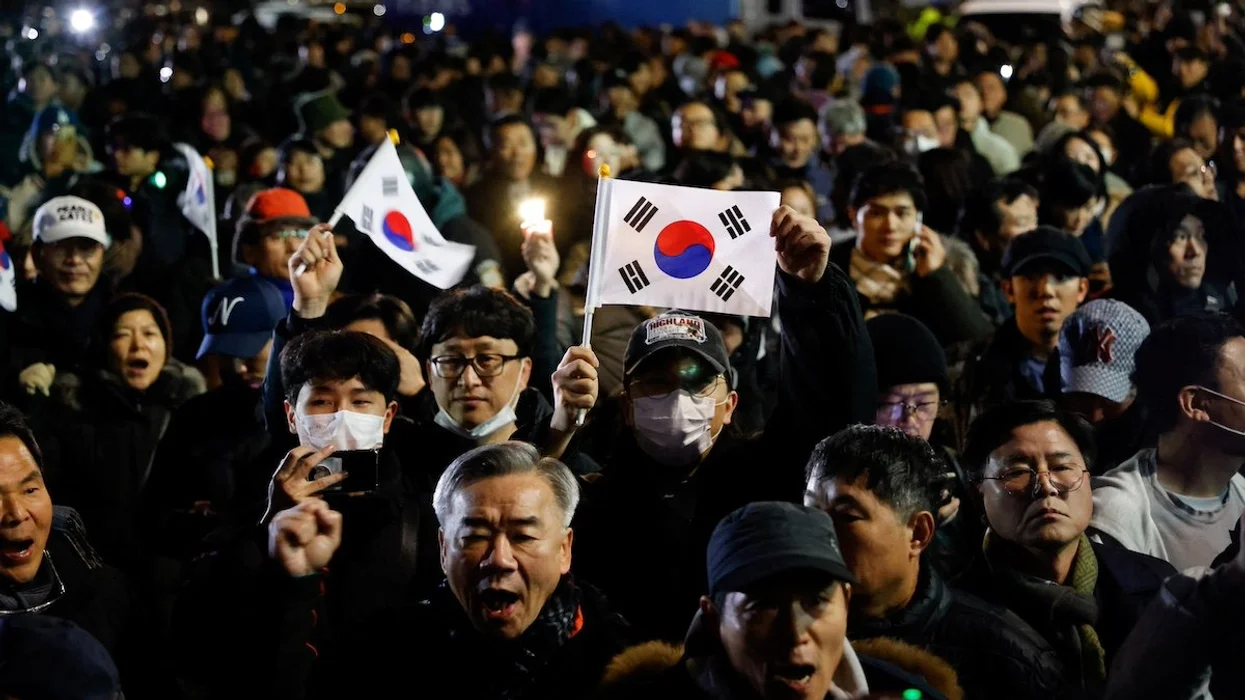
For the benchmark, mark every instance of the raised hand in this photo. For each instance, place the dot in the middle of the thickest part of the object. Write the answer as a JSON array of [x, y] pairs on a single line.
[[542, 259], [803, 245], [321, 272], [575, 387], [304, 538], [930, 255], [289, 486], [411, 373]]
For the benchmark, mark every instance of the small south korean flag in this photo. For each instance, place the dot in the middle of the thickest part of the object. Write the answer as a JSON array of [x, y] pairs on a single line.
[[382, 205], [686, 248], [8, 281]]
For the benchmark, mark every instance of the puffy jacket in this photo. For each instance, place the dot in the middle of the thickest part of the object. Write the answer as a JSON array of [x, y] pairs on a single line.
[[44, 328], [991, 649]]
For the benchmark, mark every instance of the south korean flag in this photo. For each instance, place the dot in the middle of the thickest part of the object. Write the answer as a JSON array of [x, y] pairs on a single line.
[[687, 248]]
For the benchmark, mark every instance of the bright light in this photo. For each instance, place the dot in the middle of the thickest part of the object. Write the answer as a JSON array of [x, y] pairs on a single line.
[[339, 8], [379, 10], [81, 21], [436, 22], [1005, 71], [532, 211], [201, 16], [408, 38], [32, 33], [166, 73]]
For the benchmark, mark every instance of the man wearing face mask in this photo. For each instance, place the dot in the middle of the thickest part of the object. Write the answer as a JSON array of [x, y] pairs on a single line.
[[679, 461], [1180, 500]]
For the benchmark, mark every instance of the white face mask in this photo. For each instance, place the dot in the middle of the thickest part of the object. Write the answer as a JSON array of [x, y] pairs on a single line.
[[1221, 426], [501, 419], [344, 430], [674, 429]]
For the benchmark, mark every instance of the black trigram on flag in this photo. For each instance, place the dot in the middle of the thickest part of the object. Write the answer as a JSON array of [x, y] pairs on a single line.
[[366, 223], [726, 285], [427, 267], [734, 221], [389, 186], [634, 277], [640, 214]]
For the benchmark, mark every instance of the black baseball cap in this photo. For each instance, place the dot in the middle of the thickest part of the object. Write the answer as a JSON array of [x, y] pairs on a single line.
[[1046, 244], [238, 317], [678, 329], [766, 538]]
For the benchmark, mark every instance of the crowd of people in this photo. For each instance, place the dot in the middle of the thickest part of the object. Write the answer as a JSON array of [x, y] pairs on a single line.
[[988, 445]]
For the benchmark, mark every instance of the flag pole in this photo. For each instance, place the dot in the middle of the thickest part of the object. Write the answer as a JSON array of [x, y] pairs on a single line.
[[338, 213], [600, 224]]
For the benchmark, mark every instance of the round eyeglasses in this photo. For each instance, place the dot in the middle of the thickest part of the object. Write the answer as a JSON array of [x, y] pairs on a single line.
[[1019, 481]]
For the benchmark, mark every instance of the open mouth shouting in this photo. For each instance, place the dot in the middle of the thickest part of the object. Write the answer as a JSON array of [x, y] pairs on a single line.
[[499, 604], [794, 678], [16, 551]]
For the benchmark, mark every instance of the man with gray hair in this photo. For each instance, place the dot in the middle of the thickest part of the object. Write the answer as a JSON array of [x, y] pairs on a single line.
[[509, 622], [842, 125]]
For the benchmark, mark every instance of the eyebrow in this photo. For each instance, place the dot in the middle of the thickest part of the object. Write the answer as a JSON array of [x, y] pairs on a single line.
[[31, 478], [531, 521], [846, 500]]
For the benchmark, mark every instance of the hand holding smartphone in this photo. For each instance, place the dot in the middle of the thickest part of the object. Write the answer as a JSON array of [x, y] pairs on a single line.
[[362, 469]]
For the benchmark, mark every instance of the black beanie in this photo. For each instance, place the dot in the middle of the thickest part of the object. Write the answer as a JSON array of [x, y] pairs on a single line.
[[906, 352]]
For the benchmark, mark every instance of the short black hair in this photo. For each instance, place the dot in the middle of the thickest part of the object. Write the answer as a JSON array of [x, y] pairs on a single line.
[[494, 130], [295, 145], [888, 178], [935, 32], [111, 202], [1067, 186], [993, 429], [393, 313], [903, 471], [703, 168], [1191, 53], [339, 356], [13, 424], [1191, 108], [1161, 160], [793, 110], [1105, 80], [137, 130], [983, 214], [1182, 351], [474, 312], [377, 105]]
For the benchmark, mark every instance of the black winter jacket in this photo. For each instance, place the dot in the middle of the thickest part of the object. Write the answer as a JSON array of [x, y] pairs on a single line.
[[828, 381], [46, 329], [992, 650], [938, 300], [431, 649]]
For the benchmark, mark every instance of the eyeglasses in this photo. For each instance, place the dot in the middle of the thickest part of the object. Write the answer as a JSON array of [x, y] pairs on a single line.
[[697, 379], [1207, 171], [58, 592], [898, 410], [1019, 481], [485, 365], [288, 233]]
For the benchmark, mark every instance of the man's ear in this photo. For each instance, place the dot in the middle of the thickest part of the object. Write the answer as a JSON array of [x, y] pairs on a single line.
[[709, 611], [293, 426], [525, 373], [390, 413], [1082, 290], [1192, 404], [923, 527], [565, 550], [1006, 285], [444, 554], [732, 401]]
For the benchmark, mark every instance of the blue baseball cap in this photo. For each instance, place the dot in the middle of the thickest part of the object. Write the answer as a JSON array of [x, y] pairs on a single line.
[[238, 317]]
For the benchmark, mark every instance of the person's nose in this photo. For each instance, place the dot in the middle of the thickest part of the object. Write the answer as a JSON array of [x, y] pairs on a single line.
[[470, 378], [500, 557], [894, 221], [1043, 486], [12, 511], [793, 624], [1044, 286], [1194, 250]]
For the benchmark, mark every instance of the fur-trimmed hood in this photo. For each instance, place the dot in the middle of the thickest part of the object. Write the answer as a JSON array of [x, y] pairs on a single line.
[[177, 383], [637, 671]]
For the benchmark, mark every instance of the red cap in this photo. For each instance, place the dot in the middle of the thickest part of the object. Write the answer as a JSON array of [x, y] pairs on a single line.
[[277, 203], [723, 60]]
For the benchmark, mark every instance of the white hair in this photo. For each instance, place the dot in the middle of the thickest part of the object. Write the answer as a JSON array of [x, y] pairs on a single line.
[[504, 459]]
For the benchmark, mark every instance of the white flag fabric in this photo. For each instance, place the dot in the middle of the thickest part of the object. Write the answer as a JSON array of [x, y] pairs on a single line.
[[383, 206], [8, 281], [198, 202], [686, 248]]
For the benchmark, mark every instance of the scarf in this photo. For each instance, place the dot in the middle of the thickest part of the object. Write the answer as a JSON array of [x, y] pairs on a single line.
[[520, 663], [36, 595], [878, 282], [1072, 603]]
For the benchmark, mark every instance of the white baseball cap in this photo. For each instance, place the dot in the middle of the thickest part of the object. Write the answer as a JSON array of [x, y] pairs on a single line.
[[70, 217]]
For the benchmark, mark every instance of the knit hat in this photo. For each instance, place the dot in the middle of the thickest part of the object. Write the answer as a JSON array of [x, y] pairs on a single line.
[[1097, 348], [906, 352], [320, 111]]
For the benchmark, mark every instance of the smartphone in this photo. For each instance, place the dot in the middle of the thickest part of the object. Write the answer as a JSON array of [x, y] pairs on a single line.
[[910, 254], [362, 469]]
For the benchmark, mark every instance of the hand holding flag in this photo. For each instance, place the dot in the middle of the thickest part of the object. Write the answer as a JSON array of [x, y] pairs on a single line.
[[321, 272], [802, 244]]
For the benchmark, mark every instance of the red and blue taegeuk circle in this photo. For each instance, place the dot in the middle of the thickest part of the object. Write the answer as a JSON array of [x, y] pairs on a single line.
[[5, 262], [683, 249], [397, 229]]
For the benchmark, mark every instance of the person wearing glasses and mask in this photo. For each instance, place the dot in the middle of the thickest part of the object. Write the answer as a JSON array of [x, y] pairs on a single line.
[[1179, 501], [679, 463], [1030, 462]]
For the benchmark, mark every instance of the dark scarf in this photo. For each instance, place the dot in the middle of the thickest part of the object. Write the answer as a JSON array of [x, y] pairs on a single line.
[[1051, 605], [39, 592], [517, 664]]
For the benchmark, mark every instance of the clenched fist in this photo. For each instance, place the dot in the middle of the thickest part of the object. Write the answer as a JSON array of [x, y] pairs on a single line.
[[304, 538]]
